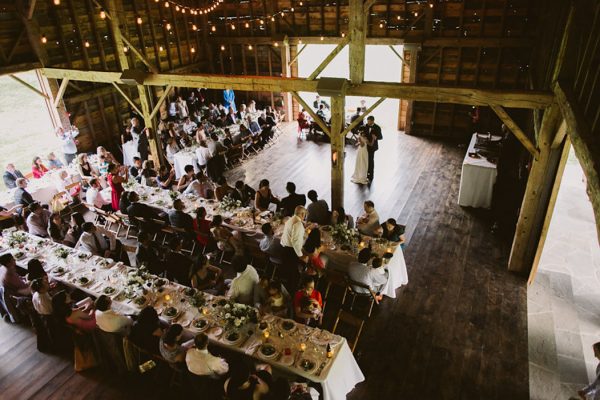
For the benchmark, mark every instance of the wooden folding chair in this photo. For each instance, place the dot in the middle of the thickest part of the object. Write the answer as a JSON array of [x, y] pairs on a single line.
[[188, 238], [369, 295], [352, 321], [337, 279]]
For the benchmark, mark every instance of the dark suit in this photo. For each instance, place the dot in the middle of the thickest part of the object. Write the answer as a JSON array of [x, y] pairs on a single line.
[[288, 204], [373, 130], [180, 219], [244, 196], [143, 211], [22, 197], [151, 257], [10, 180]]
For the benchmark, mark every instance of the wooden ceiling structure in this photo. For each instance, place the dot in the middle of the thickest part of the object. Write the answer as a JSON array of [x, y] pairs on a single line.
[[531, 64]]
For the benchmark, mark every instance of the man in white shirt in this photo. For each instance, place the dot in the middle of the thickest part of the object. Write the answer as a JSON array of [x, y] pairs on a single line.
[[108, 320], [189, 126], [37, 221], [201, 363], [241, 289], [93, 241], [94, 196], [203, 154], [41, 300], [69, 144], [292, 240], [368, 223], [375, 277]]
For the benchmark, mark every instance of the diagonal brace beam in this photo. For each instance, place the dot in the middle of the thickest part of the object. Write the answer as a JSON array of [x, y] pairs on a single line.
[[28, 86], [329, 58], [131, 103], [310, 111], [61, 92], [362, 116], [518, 132], [160, 101], [297, 55]]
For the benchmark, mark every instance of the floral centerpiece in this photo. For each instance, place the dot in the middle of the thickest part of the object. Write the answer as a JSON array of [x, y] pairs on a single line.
[[229, 204], [198, 299], [236, 315], [173, 195], [344, 236], [61, 252], [16, 239]]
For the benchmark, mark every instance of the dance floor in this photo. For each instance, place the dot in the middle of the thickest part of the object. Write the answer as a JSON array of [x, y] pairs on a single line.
[[458, 330]]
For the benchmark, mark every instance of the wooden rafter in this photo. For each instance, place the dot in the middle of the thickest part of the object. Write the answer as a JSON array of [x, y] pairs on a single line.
[[397, 54], [358, 120], [310, 111], [297, 54], [28, 86], [61, 92], [516, 130], [328, 59], [131, 102], [161, 99]]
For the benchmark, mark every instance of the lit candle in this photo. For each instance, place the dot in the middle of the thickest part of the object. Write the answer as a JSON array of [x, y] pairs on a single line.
[[362, 244], [266, 334], [389, 250], [302, 346], [204, 311], [329, 351], [167, 297]]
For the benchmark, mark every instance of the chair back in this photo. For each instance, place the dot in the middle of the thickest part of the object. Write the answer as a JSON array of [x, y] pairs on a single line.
[[353, 327], [109, 347]]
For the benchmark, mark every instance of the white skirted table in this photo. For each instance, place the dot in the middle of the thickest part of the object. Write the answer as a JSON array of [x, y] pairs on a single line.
[[130, 150], [477, 180]]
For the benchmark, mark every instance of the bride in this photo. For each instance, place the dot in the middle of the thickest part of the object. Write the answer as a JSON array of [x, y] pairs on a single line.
[[362, 162]]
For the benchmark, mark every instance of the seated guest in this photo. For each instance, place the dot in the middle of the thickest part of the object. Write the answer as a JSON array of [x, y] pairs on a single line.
[[146, 331], [202, 227], [141, 210], [278, 299], [241, 289], [206, 277], [107, 155], [312, 249], [189, 126], [216, 148], [22, 196], [270, 244], [172, 148], [355, 117], [136, 168], [339, 216], [203, 154], [170, 346], [288, 204], [98, 241], [232, 119], [375, 277], [147, 254], [223, 189], [245, 384], [251, 107], [10, 280], [252, 125], [103, 165], [82, 317], [186, 179], [261, 293], [201, 363], [11, 175], [243, 193], [94, 197], [148, 174], [317, 210], [109, 320], [368, 223], [178, 218], [75, 229], [124, 202], [226, 240], [391, 231], [264, 197], [38, 220], [38, 169], [35, 270], [178, 264], [53, 162], [242, 113], [166, 177], [41, 299], [57, 228], [308, 302], [84, 168], [9, 218], [201, 187]]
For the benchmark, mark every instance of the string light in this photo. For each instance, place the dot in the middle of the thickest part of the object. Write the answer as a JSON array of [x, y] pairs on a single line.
[[343, 34], [247, 25], [102, 13], [86, 44], [168, 26], [430, 5], [184, 9], [249, 47], [214, 28], [139, 20], [125, 49], [160, 48], [222, 48], [233, 27], [322, 38], [57, 2], [194, 27], [276, 44], [44, 39], [166, 4], [193, 49]]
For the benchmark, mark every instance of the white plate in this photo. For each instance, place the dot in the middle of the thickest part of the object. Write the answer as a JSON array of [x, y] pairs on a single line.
[[307, 371], [214, 332]]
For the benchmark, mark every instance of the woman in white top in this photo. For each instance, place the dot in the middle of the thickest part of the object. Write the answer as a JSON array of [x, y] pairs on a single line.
[[203, 154], [172, 149], [182, 108], [361, 166], [252, 107]]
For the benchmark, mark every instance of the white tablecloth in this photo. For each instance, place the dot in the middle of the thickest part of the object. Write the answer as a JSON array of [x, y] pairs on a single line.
[[343, 375], [130, 150], [477, 180], [43, 189], [183, 158]]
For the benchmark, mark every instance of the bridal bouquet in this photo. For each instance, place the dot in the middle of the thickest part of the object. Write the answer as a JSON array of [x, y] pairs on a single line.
[[236, 315], [229, 204], [342, 235]]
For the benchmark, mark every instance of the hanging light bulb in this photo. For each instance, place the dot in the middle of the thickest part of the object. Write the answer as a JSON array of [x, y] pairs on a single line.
[[262, 22], [193, 49], [44, 39], [276, 44], [166, 4], [222, 47], [343, 34], [160, 48], [233, 27], [300, 4], [247, 25], [102, 13], [273, 18], [398, 18], [381, 24], [183, 10], [322, 38], [292, 9], [56, 2], [214, 28], [194, 27], [139, 20], [249, 47], [176, 8], [299, 41], [86, 44], [430, 5], [416, 14], [168, 26], [125, 49]]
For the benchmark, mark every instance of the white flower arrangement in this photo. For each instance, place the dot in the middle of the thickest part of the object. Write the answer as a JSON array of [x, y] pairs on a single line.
[[343, 235], [229, 204], [17, 238], [236, 315]]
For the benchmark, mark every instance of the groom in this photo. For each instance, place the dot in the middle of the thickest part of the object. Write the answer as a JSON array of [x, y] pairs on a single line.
[[373, 135]]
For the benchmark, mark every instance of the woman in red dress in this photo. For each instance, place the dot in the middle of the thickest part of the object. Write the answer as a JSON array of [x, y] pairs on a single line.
[[38, 169], [115, 181]]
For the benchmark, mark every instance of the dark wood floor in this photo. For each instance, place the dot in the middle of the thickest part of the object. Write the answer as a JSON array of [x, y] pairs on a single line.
[[456, 331]]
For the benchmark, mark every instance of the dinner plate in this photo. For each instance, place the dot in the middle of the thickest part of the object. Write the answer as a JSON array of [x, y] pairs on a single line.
[[214, 332], [287, 360], [59, 271], [199, 329], [287, 325], [234, 342], [264, 356], [307, 365], [172, 317]]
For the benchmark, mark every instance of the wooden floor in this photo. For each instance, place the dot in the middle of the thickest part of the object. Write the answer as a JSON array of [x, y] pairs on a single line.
[[456, 331]]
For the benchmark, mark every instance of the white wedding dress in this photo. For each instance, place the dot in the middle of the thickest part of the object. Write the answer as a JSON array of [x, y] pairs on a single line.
[[362, 163]]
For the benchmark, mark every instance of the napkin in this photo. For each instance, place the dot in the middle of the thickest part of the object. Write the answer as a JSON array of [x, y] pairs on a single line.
[[251, 345]]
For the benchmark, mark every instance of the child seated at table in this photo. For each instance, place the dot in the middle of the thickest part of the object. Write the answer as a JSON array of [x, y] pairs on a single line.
[[277, 301]]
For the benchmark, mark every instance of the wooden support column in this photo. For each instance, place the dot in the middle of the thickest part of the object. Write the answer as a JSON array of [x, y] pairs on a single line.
[[357, 26], [337, 151], [537, 194], [286, 72], [413, 52]]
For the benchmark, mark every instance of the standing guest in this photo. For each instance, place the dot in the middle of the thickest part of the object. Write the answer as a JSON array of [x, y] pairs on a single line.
[[201, 363], [192, 102], [264, 197], [148, 174], [82, 318], [69, 144], [202, 227], [182, 108], [146, 331], [202, 154], [594, 387], [166, 177], [98, 241], [144, 144], [303, 123], [53, 162], [38, 169], [368, 223], [223, 189], [11, 175], [57, 229], [38, 220], [288, 204], [373, 132], [205, 277], [75, 229], [94, 196], [391, 231], [356, 116], [244, 384], [115, 181], [127, 135], [241, 289], [171, 150], [318, 210], [173, 110], [251, 107], [10, 280], [186, 179], [102, 152], [243, 193], [41, 299], [339, 216], [178, 218], [292, 240], [136, 168], [170, 346], [84, 168], [22, 196], [201, 187], [308, 301], [109, 320], [320, 102]]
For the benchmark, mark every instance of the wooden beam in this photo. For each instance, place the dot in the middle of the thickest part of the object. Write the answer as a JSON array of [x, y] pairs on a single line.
[[13, 50], [139, 55], [368, 5], [131, 102], [286, 72], [16, 68], [516, 130], [297, 54], [362, 116], [337, 151], [310, 111], [61, 92], [560, 135], [328, 59], [161, 99], [357, 26], [28, 86], [31, 9], [397, 54]]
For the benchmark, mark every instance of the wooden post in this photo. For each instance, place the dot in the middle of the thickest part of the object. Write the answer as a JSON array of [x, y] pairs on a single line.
[[286, 72], [357, 34], [413, 51], [337, 151]]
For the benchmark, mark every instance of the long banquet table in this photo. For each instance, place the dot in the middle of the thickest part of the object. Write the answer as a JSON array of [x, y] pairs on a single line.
[[132, 289], [477, 180]]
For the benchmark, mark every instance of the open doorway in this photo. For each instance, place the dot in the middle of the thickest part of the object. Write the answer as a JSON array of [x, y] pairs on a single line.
[[381, 65]]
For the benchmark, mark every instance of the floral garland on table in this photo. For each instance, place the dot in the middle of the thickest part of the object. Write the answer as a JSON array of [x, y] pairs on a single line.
[[17, 238], [236, 315], [62, 253], [229, 204], [173, 194], [344, 236]]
